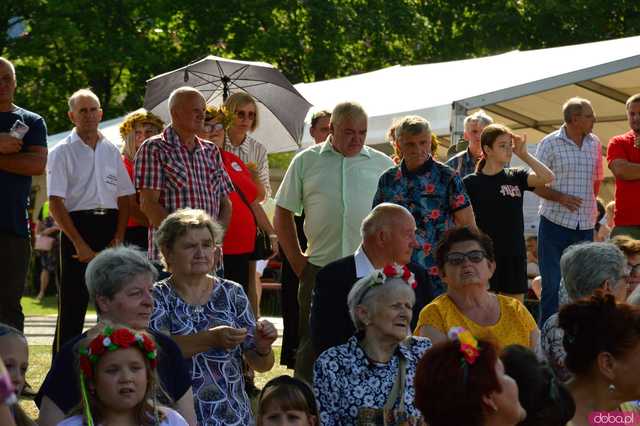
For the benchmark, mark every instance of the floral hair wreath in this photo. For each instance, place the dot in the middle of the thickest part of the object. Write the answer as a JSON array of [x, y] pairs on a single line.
[[140, 116], [111, 340], [395, 270], [220, 111]]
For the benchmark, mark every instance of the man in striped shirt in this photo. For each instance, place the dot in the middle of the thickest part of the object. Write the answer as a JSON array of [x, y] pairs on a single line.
[[568, 207], [176, 169]]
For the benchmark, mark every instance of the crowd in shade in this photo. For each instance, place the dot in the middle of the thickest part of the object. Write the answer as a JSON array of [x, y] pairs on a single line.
[[410, 292]]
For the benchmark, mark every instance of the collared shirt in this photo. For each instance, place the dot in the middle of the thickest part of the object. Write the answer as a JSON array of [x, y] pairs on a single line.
[[344, 380], [463, 162], [432, 194], [627, 211], [363, 264], [335, 192], [252, 151], [576, 169], [195, 179], [87, 178]]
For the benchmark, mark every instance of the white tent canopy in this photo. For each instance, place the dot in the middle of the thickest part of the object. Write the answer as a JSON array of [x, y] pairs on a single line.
[[523, 89]]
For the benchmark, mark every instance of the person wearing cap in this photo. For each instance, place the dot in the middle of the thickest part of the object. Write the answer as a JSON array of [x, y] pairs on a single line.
[[89, 189], [137, 127]]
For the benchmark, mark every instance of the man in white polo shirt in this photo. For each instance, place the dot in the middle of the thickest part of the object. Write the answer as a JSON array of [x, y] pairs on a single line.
[[88, 188]]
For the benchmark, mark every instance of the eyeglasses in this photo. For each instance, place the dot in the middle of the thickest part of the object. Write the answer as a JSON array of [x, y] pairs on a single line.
[[242, 114], [457, 259], [212, 127]]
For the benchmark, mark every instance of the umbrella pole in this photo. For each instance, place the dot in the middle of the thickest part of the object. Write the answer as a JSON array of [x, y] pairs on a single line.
[[225, 88]]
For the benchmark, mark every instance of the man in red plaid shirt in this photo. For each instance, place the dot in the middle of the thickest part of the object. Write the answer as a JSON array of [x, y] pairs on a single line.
[[176, 169]]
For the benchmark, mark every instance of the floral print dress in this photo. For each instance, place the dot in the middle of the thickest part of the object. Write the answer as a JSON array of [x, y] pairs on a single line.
[[216, 375]]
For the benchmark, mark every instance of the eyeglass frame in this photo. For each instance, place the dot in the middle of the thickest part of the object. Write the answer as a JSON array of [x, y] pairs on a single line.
[[466, 255]]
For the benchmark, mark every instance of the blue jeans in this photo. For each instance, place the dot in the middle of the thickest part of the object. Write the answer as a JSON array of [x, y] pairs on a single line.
[[552, 240]]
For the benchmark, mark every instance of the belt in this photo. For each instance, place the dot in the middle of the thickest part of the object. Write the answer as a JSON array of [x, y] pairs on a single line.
[[96, 212]]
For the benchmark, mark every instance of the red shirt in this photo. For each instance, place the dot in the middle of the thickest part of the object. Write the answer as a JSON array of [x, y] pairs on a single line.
[[128, 164], [241, 234], [627, 211]]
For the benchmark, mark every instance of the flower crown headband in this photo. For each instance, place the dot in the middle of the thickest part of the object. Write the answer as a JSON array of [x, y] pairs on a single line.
[[108, 341], [468, 347], [393, 270], [134, 118], [225, 116]]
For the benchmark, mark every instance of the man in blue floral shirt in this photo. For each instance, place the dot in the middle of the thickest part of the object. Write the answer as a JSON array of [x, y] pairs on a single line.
[[433, 192]]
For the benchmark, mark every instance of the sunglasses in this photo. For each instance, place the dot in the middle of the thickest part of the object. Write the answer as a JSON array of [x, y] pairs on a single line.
[[457, 259], [212, 127]]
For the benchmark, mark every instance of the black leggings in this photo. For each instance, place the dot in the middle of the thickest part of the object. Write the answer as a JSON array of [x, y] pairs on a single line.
[[236, 268]]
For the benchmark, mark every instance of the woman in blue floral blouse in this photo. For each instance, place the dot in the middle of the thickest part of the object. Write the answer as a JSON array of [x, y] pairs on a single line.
[[209, 318], [372, 374]]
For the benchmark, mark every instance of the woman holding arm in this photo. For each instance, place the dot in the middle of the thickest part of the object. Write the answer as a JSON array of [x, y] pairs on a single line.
[[496, 194]]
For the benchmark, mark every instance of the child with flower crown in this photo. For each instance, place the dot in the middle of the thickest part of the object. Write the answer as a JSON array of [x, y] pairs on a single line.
[[118, 382]]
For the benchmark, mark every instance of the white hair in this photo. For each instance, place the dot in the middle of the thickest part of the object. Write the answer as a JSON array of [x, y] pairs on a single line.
[[479, 117], [82, 93], [181, 91]]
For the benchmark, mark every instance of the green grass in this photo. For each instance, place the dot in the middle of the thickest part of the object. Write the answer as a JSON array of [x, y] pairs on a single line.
[[40, 361], [48, 306]]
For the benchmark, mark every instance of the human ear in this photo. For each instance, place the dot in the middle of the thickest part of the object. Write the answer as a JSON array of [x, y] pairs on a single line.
[[488, 401], [606, 364]]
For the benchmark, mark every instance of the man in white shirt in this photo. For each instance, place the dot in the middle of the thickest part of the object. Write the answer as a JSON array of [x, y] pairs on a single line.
[[88, 188]]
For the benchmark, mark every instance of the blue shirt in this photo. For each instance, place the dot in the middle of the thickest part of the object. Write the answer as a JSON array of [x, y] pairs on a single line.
[[15, 189], [463, 163], [432, 194]]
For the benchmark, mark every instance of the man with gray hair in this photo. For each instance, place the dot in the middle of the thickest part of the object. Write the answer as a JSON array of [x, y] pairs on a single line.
[[388, 236], [120, 283], [568, 207], [176, 169], [464, 162], [586, 268], [23, 153], [433, 192], [334, 183], [89, 191]]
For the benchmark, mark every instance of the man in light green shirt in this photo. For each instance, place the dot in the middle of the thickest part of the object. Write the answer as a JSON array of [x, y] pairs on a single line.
[[334, 183]]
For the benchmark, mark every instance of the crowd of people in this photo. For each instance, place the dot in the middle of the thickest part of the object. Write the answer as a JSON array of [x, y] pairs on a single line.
[[404, 278]]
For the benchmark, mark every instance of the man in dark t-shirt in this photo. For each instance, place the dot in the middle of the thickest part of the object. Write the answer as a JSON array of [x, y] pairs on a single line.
[[23, 153]]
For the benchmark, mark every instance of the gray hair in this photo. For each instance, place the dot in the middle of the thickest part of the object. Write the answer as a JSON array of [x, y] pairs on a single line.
[[10, 65], [180, 92], [586, 266], [380, 217], [347, 110], [82, 93], [573, 106], [114, 268], [413, 125], [632, 100], [479, 117], [369, 290]]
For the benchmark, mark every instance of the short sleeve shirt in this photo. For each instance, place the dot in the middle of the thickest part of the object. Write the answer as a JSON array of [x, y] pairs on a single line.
[[497, 205], [432, 194], [194, 179], [15, 189], [87, 178], [463, 163], [336, 194], [241, 233], [627, 196], [514, 326], [576, 169], [216, 375]]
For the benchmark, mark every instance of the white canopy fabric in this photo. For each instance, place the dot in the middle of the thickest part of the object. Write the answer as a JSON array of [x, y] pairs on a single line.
[[523, 89]]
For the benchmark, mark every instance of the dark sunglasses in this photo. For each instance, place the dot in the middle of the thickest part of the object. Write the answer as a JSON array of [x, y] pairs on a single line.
[[212, 127], [457, 259]]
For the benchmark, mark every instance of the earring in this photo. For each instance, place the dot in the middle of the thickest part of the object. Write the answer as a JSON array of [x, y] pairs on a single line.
[[612, 388]]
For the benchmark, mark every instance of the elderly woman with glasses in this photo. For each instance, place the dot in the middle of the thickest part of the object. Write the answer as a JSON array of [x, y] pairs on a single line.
[[209, 318], [466, 262], [585, 268], [246, 213], [374, 371]]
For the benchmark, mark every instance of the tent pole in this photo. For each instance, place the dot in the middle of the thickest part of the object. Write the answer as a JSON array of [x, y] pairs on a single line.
[[459, 112]]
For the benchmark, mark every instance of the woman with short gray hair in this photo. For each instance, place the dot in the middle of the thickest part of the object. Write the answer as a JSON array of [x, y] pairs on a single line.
[[374, 370], [585, 268]]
